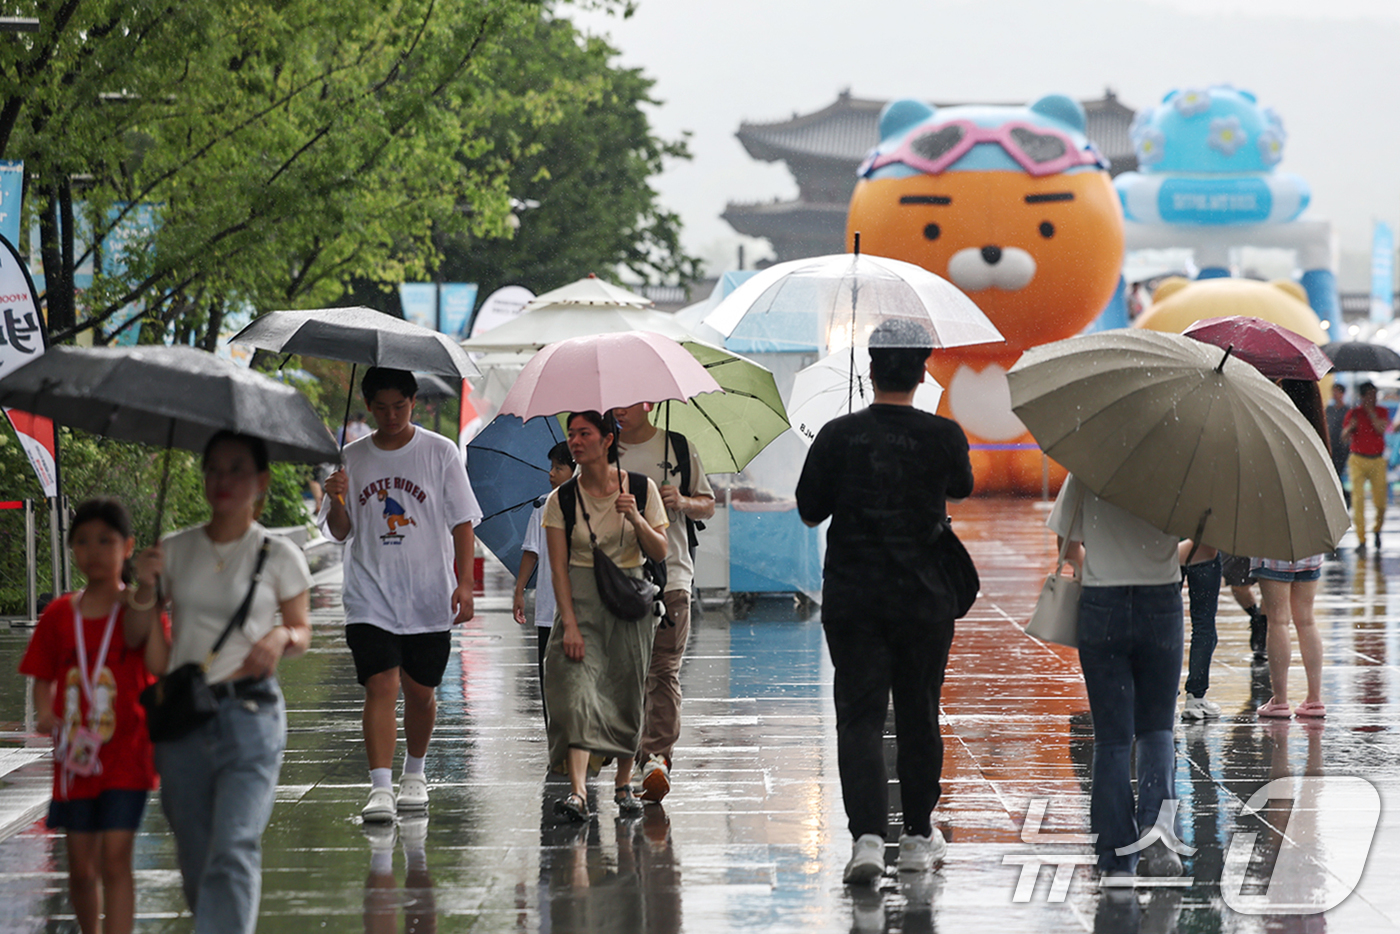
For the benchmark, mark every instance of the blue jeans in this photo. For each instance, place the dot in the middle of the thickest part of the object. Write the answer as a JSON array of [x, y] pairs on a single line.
[[216, 788], [1203, 592], [1130, 642]]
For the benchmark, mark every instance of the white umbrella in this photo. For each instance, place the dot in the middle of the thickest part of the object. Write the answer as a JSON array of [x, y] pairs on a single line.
[[836, 301], [589, 291], [827, 389], [534, 330]]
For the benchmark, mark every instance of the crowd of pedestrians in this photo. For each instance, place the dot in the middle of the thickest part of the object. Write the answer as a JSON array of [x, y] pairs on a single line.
[[627, 496]]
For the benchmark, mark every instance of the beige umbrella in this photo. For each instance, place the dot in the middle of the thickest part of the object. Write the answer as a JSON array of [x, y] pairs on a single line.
[[1182, 435]]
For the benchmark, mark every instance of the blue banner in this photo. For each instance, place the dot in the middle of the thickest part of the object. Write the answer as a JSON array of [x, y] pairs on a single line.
[[1382, 274], [11, 192], [128, 234], [419, 303], [455, 303]]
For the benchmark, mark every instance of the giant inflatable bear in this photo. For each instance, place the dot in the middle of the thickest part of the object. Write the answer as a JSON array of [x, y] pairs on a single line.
[[1015, 207]]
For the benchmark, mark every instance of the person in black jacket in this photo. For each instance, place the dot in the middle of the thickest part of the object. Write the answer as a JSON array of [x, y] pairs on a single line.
[[883, 476]]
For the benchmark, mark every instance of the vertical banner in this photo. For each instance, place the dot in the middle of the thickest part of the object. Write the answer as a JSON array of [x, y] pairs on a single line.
[[22, 338], [11, 193], [455, 303], [1382, 274], [469, 421], [505, 304], [132, 233], [419, 303]]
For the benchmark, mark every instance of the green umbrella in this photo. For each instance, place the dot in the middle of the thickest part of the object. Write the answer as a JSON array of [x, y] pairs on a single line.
[[728, 428]]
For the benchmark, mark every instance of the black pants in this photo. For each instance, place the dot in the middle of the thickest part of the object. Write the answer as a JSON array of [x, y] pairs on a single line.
[[875, 658]]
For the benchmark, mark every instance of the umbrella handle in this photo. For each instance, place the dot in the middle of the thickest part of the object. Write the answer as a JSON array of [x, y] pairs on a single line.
[[345, 425], [164, 482]]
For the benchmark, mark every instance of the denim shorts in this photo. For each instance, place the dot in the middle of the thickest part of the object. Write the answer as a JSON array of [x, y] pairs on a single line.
[[1287, 577], [114, 809]]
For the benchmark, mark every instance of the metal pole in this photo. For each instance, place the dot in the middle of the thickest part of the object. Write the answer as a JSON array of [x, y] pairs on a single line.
[[55, 545], [31, 562]]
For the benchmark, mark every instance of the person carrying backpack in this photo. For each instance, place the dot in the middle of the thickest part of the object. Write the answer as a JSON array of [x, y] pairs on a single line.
[[668, 459]]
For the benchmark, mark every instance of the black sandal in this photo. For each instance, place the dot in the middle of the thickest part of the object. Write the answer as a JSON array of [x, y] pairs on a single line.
[[573, 807], [628, 804]]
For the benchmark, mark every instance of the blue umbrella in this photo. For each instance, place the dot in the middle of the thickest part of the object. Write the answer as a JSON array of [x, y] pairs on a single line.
[[508, 463]]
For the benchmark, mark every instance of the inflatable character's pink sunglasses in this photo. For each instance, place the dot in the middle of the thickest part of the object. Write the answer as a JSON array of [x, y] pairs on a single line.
[[1038, 150]]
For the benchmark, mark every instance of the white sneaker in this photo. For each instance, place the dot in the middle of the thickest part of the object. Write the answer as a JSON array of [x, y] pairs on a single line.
[[1198, 708], [413, 793], [867, 860], [918, 854], [379, 809]]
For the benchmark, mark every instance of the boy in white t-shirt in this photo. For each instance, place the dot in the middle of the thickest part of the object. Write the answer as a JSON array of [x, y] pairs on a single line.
[[404, 505], [533, 553]]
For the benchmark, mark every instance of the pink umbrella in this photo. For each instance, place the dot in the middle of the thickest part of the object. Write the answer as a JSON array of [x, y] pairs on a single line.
[[606, 371], [1271, 349]]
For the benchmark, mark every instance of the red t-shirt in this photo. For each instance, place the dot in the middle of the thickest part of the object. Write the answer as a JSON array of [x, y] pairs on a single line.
[[1365, 441], [119, 719]]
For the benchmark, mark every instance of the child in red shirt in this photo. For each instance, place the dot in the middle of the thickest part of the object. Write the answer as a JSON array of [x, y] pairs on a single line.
[[87, 678]]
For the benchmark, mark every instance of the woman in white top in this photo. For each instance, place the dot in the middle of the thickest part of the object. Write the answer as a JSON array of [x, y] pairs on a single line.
[[218, 782]]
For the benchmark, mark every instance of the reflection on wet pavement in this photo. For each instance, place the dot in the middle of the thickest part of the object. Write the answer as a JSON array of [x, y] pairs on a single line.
[[753, 835]]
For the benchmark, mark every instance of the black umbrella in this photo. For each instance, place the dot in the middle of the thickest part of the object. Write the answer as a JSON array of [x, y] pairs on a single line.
[[1361, 357], [432, 387], [168, 397], [361, 337]]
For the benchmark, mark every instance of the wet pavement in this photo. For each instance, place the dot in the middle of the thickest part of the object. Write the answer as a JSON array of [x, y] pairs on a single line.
[[753, 835]]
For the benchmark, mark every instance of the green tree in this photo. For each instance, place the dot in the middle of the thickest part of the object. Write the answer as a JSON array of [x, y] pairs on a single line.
[[287, 146], [581, 177]]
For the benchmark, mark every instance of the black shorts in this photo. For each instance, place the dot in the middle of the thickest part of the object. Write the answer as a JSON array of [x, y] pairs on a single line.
[[113, 809], [422, 655], [1235, 570]]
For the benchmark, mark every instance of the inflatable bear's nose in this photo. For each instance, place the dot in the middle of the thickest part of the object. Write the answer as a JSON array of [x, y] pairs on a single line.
[[992, 254]]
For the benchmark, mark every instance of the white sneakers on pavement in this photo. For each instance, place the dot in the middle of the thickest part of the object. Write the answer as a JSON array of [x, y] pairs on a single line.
[[380, 808], [867, 860], [1198, 708], [918, 854], [413, 794]]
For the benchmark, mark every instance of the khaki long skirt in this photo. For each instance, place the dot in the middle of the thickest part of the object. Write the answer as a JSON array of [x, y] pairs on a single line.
[[596, 703]]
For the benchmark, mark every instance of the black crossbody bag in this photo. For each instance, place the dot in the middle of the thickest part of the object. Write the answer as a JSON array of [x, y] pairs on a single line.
[[181, 701]]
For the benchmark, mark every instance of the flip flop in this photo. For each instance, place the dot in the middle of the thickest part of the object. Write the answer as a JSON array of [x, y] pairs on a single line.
[[1276, 710], [1311, 709]]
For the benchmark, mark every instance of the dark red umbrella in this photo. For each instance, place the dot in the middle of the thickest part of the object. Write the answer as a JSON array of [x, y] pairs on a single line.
[[1271, 349]]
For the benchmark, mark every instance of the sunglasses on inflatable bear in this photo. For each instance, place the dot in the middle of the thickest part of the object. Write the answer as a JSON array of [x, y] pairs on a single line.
[[1038, 150]]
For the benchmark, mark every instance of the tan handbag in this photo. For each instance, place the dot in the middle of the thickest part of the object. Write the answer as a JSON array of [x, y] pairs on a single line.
[[1056, 616]]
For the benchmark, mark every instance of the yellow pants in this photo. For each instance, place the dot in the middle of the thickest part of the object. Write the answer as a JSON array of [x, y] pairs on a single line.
[[1363, 470]]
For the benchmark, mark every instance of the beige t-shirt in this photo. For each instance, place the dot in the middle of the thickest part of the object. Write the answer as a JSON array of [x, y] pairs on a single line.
[[615, 534], [650, 458], [1120, 550]]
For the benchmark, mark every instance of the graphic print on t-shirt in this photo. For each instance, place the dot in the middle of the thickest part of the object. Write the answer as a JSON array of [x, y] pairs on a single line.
[[396, 517]]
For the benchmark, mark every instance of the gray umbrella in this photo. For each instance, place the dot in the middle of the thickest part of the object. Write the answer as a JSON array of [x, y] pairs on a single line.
[[361, 336], [1361, 357], [168, 397]]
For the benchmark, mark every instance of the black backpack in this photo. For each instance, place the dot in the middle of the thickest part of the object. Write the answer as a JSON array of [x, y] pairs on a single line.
[[636, 485], [678, 442]]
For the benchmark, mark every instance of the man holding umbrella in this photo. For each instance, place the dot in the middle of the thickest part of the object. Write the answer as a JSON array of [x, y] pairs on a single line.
[[666, 457], [404, 504], [883, 476]]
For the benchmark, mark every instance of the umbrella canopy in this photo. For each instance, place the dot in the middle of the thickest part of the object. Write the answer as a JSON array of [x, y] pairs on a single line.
[[589, 290], [176, 396], [831, 302], [432, 387], [1361, 357], [361, 336], [508, 463], [1271, 349], [606, 371], [1185, 437], [551, 324], [727, 429], [832, 387]]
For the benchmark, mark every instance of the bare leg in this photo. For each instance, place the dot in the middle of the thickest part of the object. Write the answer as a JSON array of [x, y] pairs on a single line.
[[118, 884], [1278, 607], [419, 716], [624, 773], [1309, 639], [578, 771], [84, 874], [381, 722]]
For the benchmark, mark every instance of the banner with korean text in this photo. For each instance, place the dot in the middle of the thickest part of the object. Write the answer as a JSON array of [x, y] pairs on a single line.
[[22, 338]]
